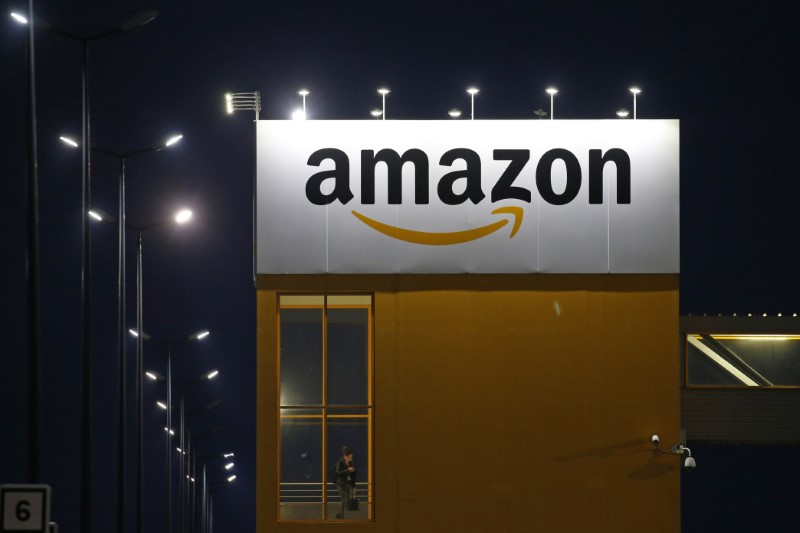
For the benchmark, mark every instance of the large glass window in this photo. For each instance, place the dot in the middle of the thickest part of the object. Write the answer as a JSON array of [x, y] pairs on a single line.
[[742, 360], [326, 404]]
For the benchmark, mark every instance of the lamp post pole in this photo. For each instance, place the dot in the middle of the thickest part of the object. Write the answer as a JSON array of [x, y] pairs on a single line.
[[121, 304], [86, 275], [472, 92], [32, 266], [635, 91], [552, 92], [383, 93], [180, 218]]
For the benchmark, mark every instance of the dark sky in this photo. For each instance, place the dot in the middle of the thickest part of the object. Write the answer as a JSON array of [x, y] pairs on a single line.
[[728, 73]]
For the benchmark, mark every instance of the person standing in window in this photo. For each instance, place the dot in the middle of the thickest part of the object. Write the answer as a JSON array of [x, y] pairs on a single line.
[[345, 479]]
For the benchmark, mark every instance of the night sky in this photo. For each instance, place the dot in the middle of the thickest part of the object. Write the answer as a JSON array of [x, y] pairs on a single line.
[[728, 73]]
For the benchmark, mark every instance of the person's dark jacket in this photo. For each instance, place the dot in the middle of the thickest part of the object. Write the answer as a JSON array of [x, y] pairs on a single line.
[[343, 477]]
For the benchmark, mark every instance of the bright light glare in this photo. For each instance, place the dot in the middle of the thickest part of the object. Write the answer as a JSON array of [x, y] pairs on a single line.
[[635, 90], [229, 103], [171, 432], [183, 216], [133, 332], [376, 113], [151, 376], [303, 92], [551, 90], [622, 113], [172, 140], [298, 115], [70, 142], [212, 374], [226, 455], [95, 215], [162, 405], [228, 466], [454, 113], [473, 90], [384, 91], [19, 18], [203, 334], [231, 478]]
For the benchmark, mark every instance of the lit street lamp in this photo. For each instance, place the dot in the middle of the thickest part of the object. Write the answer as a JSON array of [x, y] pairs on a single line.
[[170, 343], [472, 92], [132, 24], [383, 92], [552, 92], [303, 93], [635, 91], [121, 300], [623, 113], [454, 113], [181, 217]]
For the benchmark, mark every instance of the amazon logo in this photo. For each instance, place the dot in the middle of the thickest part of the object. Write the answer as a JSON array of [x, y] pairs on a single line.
[[471, 184]]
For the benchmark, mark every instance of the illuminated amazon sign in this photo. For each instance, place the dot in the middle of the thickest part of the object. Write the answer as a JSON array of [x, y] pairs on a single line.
[[435, 196]]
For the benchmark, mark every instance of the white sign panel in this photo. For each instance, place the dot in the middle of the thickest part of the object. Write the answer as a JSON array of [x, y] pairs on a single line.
[[24, 508], [461, 196]]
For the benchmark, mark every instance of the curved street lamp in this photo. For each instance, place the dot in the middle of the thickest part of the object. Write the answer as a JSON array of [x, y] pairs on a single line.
[[129, 25], [153, 375], [122, 158], [180, 217]]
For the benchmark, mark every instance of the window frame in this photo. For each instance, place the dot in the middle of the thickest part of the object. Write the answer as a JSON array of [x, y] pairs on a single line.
[[324, 408]]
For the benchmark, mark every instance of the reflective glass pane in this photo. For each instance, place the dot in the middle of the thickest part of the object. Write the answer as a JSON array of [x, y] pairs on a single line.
[[351, 428], [301, 464], [348, 356], [301, 356], [743, 360]]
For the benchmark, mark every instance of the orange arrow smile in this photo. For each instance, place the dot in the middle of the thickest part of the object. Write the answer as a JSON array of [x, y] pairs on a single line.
[[443, 239]]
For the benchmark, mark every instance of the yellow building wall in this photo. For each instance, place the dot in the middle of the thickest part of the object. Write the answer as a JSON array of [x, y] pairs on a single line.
[[505, 403]]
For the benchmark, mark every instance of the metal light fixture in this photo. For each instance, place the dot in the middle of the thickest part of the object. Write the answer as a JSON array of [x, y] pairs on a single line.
[[472, 92], [552, 92], [383, 92]]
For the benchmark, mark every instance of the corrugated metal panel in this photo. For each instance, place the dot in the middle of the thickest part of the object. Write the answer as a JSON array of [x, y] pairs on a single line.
[[741, 415]]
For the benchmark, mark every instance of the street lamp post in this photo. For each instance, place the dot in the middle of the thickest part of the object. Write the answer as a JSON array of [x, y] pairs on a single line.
[[552, 92], [86, 275], [303, 93], [383, 92], [180, 217], [186, 451], [472, 92], [34, 356], [170, 343], [635, 91], [121, 301]]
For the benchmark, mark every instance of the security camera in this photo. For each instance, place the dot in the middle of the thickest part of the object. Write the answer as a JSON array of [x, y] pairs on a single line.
[[689, 463], [655, 440]]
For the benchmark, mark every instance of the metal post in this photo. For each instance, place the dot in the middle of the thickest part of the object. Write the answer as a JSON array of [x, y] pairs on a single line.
[[121, 320], [86, 304], [32, 282], [139, 404], [169, 439]]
